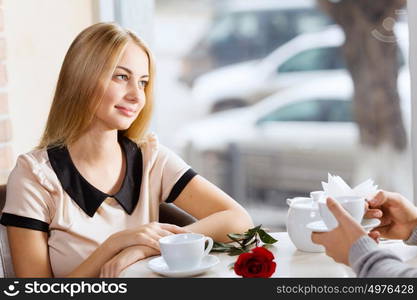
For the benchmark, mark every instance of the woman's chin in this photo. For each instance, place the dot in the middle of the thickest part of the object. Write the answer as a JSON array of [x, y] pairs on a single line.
[[116, 123], [121, 125]]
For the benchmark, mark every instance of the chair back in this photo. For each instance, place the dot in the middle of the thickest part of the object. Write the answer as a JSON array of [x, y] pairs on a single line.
[[2, 196]]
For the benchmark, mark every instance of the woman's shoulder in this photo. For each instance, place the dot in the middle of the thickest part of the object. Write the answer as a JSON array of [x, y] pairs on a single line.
[[150, 144], [152, 150], [34, 165], [150, 140], [34, 157]]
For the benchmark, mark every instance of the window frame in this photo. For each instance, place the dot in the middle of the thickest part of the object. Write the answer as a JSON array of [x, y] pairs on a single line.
[[412, 24]]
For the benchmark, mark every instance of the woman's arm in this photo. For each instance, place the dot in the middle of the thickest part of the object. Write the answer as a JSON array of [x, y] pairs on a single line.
[[146, 236], [29, 249], [217, 213], [30, 255], [92, 265], [125, 258]]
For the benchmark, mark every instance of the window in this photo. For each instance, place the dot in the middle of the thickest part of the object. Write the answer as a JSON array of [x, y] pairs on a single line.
[[337, 110], [235, 37], [312, 111], [326, 58], [309, 21], [233, 27], [306, 111], [247, 26], [221, 30]]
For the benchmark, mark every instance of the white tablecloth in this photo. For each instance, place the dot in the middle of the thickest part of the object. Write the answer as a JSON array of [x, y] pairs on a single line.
[[290, 262]]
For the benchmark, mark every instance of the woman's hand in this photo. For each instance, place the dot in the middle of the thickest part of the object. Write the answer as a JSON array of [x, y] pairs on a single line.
[[145, 235], [398, 215], [338, 241], [125, 258]]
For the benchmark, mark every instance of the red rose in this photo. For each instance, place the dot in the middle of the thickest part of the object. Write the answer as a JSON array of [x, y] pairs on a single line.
[[255, 264]]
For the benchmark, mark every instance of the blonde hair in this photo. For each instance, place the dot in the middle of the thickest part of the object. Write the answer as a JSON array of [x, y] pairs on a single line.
[[85, 74]]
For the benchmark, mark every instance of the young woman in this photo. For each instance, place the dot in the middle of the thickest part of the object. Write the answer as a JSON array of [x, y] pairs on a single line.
[[85, 202]]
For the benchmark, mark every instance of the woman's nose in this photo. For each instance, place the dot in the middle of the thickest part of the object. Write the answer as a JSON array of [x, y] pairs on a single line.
[[133, 93]]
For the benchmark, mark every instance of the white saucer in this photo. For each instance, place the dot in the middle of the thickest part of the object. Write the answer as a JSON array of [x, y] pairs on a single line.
[[159, 265], [319, 226]]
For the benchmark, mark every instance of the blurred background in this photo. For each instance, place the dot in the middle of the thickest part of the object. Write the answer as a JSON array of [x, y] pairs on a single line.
[[263, 98]]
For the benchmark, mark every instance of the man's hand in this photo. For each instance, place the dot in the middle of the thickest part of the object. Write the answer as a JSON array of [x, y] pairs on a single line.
[[338, 241], [398, 215]]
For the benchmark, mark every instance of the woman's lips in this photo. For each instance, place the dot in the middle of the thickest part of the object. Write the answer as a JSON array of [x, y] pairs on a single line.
[[126, 111]]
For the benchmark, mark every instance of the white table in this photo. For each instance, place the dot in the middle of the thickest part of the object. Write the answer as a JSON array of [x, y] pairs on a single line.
[[290, 262]]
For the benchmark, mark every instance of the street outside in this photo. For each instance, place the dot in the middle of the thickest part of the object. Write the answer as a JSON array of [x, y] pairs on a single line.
[[175, 32]]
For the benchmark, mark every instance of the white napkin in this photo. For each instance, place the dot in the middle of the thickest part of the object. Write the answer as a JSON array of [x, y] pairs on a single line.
[[336, 186]]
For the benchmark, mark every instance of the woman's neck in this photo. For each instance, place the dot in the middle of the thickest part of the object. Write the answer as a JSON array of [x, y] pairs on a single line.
[[95, 147]]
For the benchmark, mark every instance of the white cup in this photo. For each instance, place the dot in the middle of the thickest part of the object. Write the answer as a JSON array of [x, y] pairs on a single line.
[[184, 251], [354, 205], [317, 195]]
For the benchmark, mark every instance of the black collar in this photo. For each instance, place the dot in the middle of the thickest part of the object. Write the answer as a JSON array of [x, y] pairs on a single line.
[[87, 196]]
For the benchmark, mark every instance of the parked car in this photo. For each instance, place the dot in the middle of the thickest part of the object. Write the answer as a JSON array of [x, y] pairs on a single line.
[[287, 142], [304, 58], [247, 30]]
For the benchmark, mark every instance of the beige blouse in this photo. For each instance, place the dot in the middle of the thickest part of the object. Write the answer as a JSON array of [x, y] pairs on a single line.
[[46, 192]]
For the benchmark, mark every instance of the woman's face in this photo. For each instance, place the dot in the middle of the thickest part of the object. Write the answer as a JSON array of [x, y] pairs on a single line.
[[124, 97]]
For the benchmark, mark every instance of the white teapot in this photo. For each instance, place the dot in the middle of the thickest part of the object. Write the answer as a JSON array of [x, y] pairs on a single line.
[[302, 211]]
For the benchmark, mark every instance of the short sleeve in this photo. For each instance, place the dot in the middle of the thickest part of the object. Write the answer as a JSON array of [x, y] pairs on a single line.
[[176, 173], [28, 201]]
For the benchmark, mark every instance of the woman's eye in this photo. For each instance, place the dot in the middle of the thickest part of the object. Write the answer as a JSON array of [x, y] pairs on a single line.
[[143, 83], [122, 77]]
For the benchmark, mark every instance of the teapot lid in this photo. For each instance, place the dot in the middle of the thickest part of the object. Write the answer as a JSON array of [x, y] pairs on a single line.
[[302, 202]]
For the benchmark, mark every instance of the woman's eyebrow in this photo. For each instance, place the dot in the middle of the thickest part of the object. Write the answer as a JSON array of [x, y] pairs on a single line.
[[129, 71]]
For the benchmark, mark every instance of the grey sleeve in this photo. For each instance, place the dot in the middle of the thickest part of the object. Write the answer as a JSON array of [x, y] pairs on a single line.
[[367, 260], [412, 240]]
